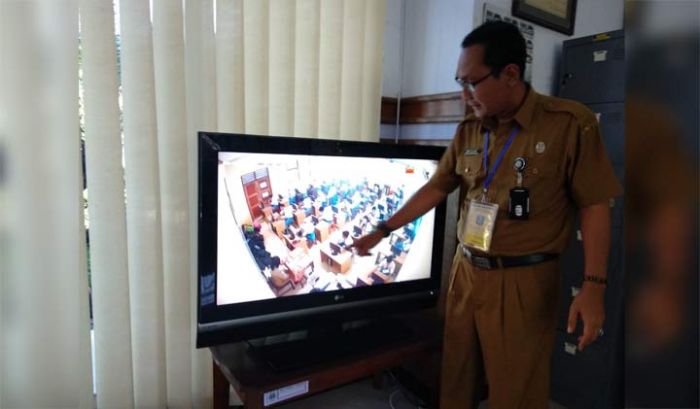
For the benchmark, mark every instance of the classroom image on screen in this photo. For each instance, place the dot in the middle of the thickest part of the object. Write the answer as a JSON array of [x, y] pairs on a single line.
[[286, 224]]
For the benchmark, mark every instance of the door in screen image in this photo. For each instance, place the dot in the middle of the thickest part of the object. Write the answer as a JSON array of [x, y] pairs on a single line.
[[286, 224]]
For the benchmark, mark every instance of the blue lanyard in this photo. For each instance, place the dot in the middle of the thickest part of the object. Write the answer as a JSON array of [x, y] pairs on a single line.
[[492, 172]]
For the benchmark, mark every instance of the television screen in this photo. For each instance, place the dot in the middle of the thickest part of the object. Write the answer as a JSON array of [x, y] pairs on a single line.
[[277, 221]]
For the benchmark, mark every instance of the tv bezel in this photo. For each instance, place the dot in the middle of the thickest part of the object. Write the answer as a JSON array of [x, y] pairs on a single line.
[[220, 324]]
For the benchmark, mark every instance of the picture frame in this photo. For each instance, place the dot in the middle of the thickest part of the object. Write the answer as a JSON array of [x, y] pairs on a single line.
[[558, 15]]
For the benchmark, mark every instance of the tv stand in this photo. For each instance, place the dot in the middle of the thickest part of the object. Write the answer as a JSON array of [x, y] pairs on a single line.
[[264, 375]]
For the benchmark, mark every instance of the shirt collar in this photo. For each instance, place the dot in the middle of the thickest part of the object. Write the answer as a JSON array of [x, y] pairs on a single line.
[[524, 114]]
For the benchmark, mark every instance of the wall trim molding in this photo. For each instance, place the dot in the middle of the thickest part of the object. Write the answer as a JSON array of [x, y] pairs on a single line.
[[390, 107], [424, 109]]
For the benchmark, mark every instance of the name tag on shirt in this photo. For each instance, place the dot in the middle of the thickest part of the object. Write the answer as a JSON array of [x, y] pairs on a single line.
[[472, 151]]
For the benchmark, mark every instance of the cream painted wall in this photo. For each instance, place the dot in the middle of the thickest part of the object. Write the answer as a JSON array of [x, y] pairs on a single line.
[[430, 34], [433, 30], [592, 17], [391, 67]]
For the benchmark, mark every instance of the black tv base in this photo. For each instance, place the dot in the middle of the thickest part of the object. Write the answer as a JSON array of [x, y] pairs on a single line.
[[323, 344]]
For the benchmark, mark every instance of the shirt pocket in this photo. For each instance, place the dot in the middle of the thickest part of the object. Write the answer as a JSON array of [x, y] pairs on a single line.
[[539, 168], [468, 167], [544, 181]]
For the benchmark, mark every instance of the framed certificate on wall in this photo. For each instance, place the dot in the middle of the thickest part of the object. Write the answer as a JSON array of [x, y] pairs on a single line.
[[559, 15]]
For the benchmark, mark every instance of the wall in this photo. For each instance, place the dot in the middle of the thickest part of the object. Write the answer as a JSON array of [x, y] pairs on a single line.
[[433, 33], [592, 17], [431, 45], [391, 67]]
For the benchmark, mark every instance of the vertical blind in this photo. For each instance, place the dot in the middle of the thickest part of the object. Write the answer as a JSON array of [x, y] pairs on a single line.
[[145, 77]]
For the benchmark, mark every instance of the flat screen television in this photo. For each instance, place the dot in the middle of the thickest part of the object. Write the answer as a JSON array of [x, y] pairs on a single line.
[[277, 217]]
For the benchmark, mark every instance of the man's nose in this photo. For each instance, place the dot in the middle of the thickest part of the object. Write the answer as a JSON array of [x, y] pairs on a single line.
[[467, 95]]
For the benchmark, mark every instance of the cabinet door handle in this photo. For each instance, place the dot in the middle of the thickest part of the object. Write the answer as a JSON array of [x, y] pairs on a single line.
[[565, 77]]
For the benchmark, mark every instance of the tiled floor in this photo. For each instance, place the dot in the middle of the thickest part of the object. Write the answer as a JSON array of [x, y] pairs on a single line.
[[361, 395]]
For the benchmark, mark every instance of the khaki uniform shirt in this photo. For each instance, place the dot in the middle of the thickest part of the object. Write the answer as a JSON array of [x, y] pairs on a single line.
[[567, 167]]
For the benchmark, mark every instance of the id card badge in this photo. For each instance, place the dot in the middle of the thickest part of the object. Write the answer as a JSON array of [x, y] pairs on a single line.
[[519, 203], [479, 225]]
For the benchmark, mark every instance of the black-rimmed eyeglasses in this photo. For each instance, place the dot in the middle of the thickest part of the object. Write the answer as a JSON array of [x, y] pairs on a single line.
[[471, 85]]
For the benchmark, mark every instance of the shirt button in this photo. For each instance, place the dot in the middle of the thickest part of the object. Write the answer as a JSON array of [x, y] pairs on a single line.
[[534, 171]]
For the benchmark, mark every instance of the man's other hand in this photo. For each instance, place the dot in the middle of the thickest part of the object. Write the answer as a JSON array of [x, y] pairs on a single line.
[[589, 304]]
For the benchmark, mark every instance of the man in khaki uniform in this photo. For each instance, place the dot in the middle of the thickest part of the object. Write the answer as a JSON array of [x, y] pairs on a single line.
[[538, 158]]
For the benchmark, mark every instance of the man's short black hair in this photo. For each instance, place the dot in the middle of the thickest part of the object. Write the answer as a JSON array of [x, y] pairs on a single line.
[[503, 45]]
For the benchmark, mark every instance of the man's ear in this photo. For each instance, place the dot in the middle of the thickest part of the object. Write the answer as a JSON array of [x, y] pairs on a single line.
[[512, 73]]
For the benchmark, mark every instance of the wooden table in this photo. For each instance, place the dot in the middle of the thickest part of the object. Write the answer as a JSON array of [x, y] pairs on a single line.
[[339, 263], [256, 382], [278, 227], [267, 211], [322, 230], [299, 265], [299, 217]]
